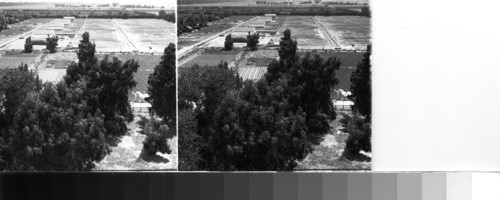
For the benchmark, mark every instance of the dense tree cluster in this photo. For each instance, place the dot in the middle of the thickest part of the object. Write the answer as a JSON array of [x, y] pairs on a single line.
[[64, 126], [109, 81], [167, 17], [49, 127], [7, 19], [265, 125], [188, 22]]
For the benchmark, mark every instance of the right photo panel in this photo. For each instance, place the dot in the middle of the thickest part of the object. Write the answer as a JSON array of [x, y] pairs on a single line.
[[274, 85]]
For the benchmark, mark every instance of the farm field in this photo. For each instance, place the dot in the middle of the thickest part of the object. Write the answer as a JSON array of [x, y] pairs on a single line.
[[212, 58], [214, 28], [252, 73], [306, 31], [148, 35], [15, 61], [51, 75], [349, 30], [106, 36], [9, 39], [349, 62]]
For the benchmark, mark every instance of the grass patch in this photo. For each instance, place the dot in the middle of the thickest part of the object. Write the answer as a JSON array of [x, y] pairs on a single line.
[[14, 62]]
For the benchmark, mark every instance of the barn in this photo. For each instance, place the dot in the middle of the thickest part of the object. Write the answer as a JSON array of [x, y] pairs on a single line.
[[240, 34], [39, 37]]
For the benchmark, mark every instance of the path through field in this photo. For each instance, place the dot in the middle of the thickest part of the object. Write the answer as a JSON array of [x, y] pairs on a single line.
[[128, 155], [328, 154]]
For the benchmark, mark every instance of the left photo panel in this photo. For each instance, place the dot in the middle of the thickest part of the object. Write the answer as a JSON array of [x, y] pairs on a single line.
[[88, 86]]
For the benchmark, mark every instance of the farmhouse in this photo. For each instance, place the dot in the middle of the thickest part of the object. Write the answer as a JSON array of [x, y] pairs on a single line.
[[71, 19], [240, 34], [273, 16], [39, 37], [257, 23]]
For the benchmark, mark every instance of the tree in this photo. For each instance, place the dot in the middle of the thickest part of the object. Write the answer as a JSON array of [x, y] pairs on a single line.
[[162, 86], [28, 45], [252, 41], [86, 49], [288, 47], [228, 43], [360, 134], [52, 44], [361, 86]]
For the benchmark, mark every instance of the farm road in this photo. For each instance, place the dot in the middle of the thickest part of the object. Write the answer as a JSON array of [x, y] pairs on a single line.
[[2, 45], [187, 49], [129, 43], [331, 39]]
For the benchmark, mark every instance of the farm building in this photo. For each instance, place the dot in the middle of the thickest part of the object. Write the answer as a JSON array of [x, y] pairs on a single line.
[[39, 37], [273, 16], [257, 23], [71, 19], [240, 34]]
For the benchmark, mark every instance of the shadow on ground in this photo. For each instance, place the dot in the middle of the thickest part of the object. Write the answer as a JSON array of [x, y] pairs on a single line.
[[152, 158], [356, 157]]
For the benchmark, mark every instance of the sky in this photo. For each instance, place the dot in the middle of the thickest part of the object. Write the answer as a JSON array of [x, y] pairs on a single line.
[[167, 3]]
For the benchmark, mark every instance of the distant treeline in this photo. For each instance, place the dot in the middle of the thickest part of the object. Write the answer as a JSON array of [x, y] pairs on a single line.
[[6, 19], [186, 23], [167, 17], [191, 19], [87, 14], [208, 1]]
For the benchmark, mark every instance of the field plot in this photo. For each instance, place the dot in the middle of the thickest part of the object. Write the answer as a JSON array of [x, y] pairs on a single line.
[[214, 27], [252, 73], [306, 31], [212, 58], [51, 75], [15, 36], [147, 35], [106, 36], [127, 153], [14, 62], [348, 30]]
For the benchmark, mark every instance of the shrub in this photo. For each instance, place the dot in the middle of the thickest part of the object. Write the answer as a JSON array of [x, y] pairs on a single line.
[[360, 134], [157, 134]]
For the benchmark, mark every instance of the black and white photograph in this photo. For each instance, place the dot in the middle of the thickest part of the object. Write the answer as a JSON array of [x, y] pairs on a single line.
[[274, 85], [87, 85]]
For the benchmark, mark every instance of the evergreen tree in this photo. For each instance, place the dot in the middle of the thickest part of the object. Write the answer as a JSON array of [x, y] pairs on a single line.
[[228, 43], [28, 45], [162, 86], [252, 41], [52, 44], [361, 86]]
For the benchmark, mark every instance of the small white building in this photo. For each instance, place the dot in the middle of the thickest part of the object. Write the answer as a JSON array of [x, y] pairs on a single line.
[[39, 37], [257, 23], [273, 16], [71, 19], [240, 34]]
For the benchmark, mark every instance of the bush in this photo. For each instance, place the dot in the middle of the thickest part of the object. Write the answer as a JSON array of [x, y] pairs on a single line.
[[157, 134]]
